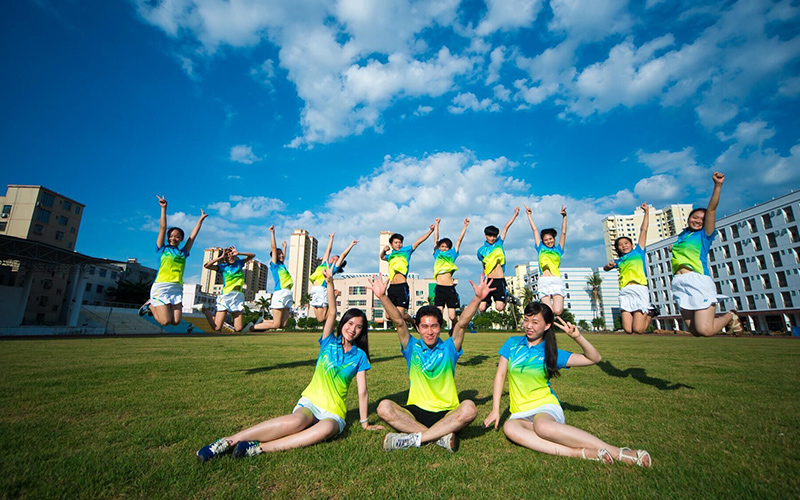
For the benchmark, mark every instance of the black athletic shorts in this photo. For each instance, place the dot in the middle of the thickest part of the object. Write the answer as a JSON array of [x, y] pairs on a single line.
[[425, 417], [446, 295], [398, 294], [499, 293]]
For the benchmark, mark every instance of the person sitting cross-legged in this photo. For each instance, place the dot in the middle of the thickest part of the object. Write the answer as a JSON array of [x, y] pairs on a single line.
[[433, 412]]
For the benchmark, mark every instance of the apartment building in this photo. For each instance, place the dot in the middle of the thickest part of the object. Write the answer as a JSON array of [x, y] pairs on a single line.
[[754, 260], [664, 223], [355, 293], [255, 276], [301, 262]]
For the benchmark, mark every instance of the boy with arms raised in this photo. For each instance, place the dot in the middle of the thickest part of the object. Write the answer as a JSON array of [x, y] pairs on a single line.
[[433, 412], [493, 258], [397, 256], [444, 265]]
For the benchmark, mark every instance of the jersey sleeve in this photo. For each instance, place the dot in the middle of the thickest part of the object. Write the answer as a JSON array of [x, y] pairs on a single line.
[[363, 362], [409, 348], [563, 359], [505, 350]]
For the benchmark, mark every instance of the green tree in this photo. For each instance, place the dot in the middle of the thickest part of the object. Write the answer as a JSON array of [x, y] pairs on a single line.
[[305, 299], [584, 325], [617, 324], [567, 316], [528, 297], [593, 283], [263, 306], [598, 323]]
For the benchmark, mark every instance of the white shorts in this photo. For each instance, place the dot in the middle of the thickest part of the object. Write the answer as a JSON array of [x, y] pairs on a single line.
[[319, 296], [164, 294], [281, 299], [634, 298], [319, 413], [554, 411], [232, 301], [551, 285], [694, 291]]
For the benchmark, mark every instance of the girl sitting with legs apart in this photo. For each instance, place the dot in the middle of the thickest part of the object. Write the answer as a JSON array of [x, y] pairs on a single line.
[[537, 420], [319, 414]]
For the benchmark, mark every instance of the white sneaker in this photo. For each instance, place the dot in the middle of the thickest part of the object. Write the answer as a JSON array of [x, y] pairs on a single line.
[[398, 441], [247, 327], [449, 442]]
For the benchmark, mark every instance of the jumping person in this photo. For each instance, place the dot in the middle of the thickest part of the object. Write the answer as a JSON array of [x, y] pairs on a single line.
[[319, 414], [319, 289], [537, 420], [692, 286], [282, 300], [493, 257], [634, 298], [166, 294], [444, 265], [551, 286], [231, 267], [433, 412], [398, 257]]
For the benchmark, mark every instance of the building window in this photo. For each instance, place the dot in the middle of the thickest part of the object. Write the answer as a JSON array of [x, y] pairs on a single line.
[[788, 214], [63, 220], [3, 226], [735, 231], [7, 209], [358, 290], [718, 287], [43, 300], [99, 288], [751, 302], [420, 303], [787, 299], [757, 243], [762, 262], [38, 229], [746, 281], [69, 244], [752, 224], [59, 235], [91, 269], [66, 205], [418, 293], [742, 266], [566, 277], [47, 199], [566, 285], [43, 215], [738, 247], [88, 287], [77, 210], [781, 278], [377, 313], [723, 236], [771, 241], [793, 234], [729, 267], [711, 257], [103, 273], [735, 285], [738, 303], [770, 300], [765, 281], [354, 303], [767, 221], [72, 230], [114, 275], [776, 259]]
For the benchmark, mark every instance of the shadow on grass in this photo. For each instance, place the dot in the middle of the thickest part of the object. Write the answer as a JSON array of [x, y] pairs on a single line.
[[307, 362], [640, 375], [352, 417], [475, 360]]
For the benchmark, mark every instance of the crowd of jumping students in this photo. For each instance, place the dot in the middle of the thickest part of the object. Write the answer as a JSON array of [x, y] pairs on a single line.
[[433, 412]]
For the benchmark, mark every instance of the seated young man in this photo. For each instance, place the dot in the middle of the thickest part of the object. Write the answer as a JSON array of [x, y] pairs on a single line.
[[433, 412]]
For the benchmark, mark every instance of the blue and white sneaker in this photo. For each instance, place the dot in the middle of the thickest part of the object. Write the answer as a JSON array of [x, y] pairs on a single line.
[[215, 449], [145, 309], [247, 449]]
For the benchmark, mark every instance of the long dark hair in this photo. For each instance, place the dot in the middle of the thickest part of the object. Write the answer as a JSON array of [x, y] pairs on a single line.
[[550, 347], [362, 341]]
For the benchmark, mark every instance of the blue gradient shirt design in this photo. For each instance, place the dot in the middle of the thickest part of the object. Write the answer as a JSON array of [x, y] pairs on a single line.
[[632, 268], [691, 251], [528, 385], [492, 256], [232, 276]]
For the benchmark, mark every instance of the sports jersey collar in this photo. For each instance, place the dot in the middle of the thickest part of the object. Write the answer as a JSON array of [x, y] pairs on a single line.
[[439, 344]]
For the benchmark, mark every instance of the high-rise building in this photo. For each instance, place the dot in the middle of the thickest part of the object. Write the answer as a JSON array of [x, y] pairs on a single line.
[[38, 214], [302, 260], [664, 223], [255, 276], [383, 242], [754, 260]]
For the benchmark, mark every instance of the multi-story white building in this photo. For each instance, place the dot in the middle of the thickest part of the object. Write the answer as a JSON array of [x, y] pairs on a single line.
[[302, 260], [355, 293], [578, 297], [664, 223], [754, 260]]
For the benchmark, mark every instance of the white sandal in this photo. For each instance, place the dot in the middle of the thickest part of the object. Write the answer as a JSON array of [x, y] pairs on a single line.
[[638, 459], [603, 455]]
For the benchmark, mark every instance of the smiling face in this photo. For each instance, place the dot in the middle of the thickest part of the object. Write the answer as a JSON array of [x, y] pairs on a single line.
[[534, 326], [429, 328], [443, 247], [624, 246], [548, 240], [490, 239], [175, 237], [696, 220], [396, 244], [352, 328]]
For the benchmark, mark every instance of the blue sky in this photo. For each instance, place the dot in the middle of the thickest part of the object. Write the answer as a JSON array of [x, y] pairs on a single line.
[[355, 116]]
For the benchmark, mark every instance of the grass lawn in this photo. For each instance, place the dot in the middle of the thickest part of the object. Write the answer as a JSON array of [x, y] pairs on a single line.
[[114, 417]]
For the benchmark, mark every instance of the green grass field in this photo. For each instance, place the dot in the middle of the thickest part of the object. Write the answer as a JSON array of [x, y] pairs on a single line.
[[114, 417]]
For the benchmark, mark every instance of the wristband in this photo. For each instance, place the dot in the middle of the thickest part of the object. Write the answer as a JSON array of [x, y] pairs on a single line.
[[364, 421]]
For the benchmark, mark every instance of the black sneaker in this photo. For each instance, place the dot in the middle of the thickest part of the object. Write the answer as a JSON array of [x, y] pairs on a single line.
[[144, 309], [247, 449], [215, 449]]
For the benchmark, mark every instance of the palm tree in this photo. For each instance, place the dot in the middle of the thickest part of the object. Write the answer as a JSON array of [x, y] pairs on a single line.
[[528, 297], [593, 283], [263, 305]]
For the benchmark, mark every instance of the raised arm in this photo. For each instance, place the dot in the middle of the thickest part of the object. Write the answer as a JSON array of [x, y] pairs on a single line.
[[711, 212], [273, 245], [330, 319], [378, 287], [590, 355], [327, 254], [497, 393], [461, 236], [211, 264], [422, 238], [384, 251], [344, 254], [537, 240], [162, 222], [563, 240], [508, 224], [436, 233], [363, 402], [645, 225], [190, 242], [482, 290]]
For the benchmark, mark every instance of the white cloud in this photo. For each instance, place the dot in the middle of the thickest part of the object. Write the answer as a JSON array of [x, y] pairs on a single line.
[[248, 207], [658, 188], [749, 133], [590, 19], [264, 73], [423, 110], [508, 15], [501, 93], [469, 102], [497, 58], [243, 154]]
